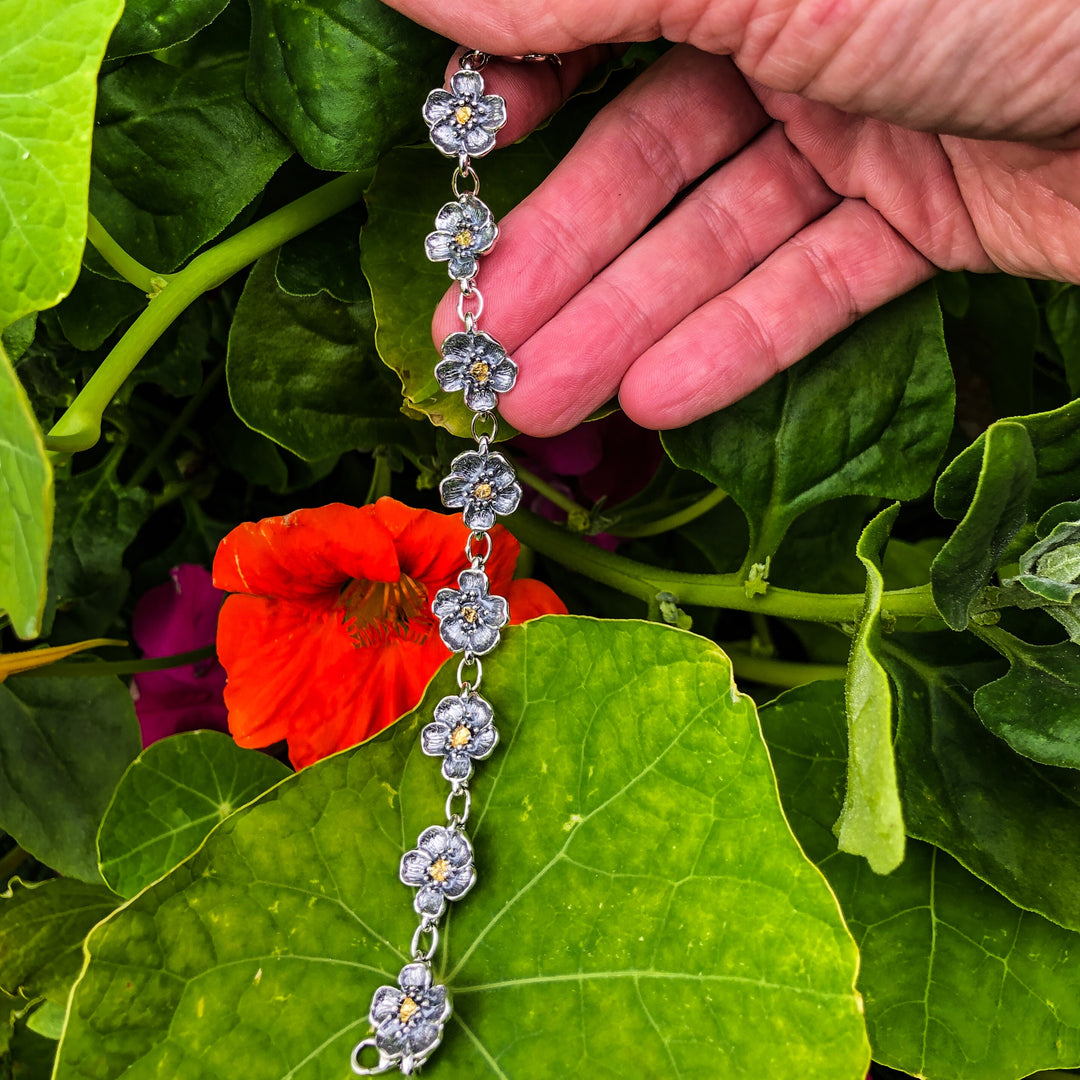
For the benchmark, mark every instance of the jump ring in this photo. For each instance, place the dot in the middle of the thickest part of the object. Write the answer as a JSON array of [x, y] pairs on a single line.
[[473, 292], [468, 658], [458, 819], [480, 417], [418, 953], [461, 174]]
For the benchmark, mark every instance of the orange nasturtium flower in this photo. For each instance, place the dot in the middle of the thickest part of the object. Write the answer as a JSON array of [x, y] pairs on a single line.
[[329, 635]]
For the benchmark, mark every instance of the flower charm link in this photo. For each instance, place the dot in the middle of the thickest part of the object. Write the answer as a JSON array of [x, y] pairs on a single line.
[[461, 733], [470, 619], [464, 121], [483, 484], [441, 865], [463, 230], [476, 362]]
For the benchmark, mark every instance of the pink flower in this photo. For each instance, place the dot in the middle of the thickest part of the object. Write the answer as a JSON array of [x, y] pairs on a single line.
[[178, 617]]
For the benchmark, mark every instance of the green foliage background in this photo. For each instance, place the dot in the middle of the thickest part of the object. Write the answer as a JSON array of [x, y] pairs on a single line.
[[795, 784]]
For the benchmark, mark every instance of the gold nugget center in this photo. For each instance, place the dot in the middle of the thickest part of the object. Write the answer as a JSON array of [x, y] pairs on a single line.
[[408, 1010], [482, 491], [460, 737], [480, 371], [440, 870], [463, 114], [463, 238], [470, 614]]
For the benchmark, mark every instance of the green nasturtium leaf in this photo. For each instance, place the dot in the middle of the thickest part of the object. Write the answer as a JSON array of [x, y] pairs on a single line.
[[326, 259], [47, 84], [1011, 821], [19, 336], [993, 508], [871, 822], [1063, 321], [95, 307], [170, 798], [42, 928], [64, 744], [343, 80], [26, 507], [303, 371], [869, 413], [958, 983], [149, 25], [177, 155], [636, 877], [1035, 708]]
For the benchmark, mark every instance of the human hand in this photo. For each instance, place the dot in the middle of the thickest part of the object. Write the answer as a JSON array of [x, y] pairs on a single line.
[[816, 216]]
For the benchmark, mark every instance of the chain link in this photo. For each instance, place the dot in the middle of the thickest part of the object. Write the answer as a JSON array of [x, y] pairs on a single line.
[[460, 790], [468, 660], [482, 418], [463, 172], [427, 925], [470, 292]]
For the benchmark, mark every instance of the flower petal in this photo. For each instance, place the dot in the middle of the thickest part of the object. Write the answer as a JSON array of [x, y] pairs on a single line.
[[461, 267], [414, 867], [454, 491], [446, 604], [451, 217], [416, 978], [473, 581], [494, 610], [467, 84], [438, 247], [429, 901], [457, 765], [493, 108], [459, 883], [435, 840], [450, 711], [479, 398], [450, 375], [386, 1003], [434, 738], [477, 141], [482, 640], [439, 106], [503, 375], [446, 135], [391, 1037], [433, 1007], [421, 1035], [479, 516], [507, 501], [483, 742]]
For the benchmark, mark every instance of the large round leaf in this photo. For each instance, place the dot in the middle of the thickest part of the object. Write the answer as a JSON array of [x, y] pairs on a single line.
[[642, 904], [171, 796]]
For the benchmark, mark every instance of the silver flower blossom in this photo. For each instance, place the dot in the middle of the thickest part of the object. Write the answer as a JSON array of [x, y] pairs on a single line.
[[464, 121], [476, 363], [463, 230], [483, 484], [461, 733], [441, 865], [409, 1018], [469, 618]]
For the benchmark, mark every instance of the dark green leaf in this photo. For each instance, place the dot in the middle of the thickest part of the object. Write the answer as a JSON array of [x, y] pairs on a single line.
[[1000, 330], [30, 1056], [1063, 319], [1010, 821], [26, 507], [871, 823], [869, 413], [19, 336], [42, 928], [177, 155], [993, 506], [1035, 708], [1055, 438], [47, 84], [96, 519], [149, 25], [1050, 568], [95, 308], [636, 877], [326, 259], [64, 743], [304, 372], [170, 798], [344, 80], [958, 983]]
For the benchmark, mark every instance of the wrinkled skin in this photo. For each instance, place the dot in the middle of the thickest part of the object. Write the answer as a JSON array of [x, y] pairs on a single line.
[[866, 144]]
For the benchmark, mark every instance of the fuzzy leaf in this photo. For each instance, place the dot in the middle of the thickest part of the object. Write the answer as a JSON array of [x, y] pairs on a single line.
[[871, 822], [341, 79], [170, 798], [636, 875], [64, 743], [1009, 820], [302, 370], [993, 508], [958, 983], [868, 413], [177, 155]]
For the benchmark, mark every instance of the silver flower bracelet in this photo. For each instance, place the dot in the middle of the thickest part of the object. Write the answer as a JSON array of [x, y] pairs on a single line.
[[408, 1019]]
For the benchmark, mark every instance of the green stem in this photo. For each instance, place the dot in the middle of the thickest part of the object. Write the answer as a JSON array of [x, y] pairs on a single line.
[[552, 494], [707, 590], [127, 266], [70, 668], [773, 672], [80, 426], [381, 476], [675, 520], [150, 462], [11, 862]]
